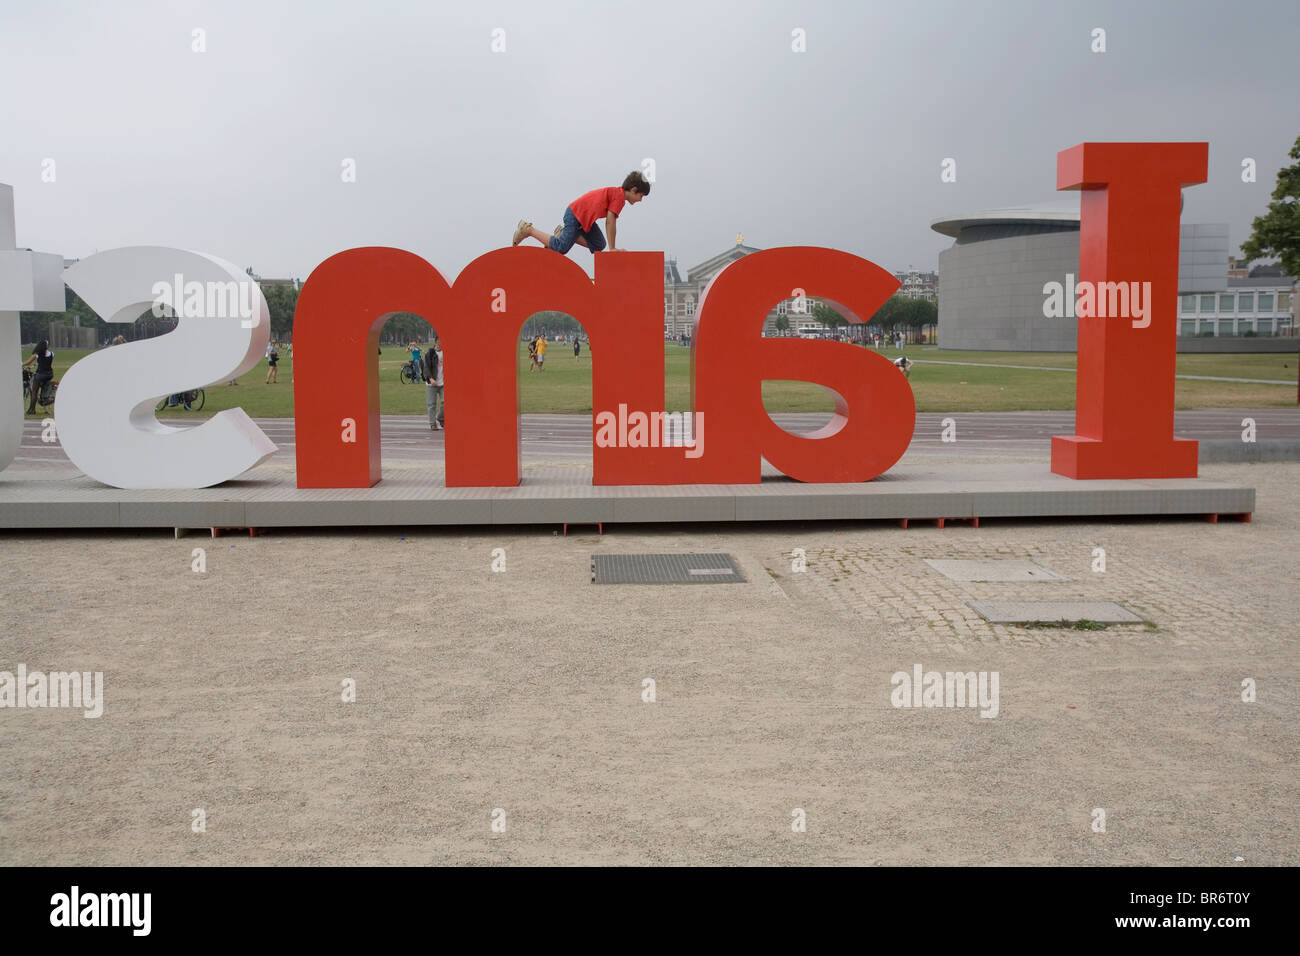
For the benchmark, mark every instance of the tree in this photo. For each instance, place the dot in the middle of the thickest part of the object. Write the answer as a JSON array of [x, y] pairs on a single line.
[[550, 322], [827, 316], [401, 327], [888, 315], [35, 326], [782, 324], [919, 313], [900, 312], [281, 301], [1277, 234]]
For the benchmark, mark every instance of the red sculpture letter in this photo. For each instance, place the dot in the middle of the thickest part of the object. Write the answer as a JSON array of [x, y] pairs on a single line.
[[1124, 407], [874, 409], [346, 299]]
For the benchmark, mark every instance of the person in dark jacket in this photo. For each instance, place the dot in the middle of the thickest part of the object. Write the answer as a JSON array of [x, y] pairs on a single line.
[[431, 369], [44, 359]]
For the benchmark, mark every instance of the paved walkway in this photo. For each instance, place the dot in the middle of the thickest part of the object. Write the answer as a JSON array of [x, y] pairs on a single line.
[[979, 434]]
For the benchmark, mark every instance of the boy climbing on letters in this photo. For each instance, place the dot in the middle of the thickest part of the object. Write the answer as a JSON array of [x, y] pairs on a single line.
[[580, 217]]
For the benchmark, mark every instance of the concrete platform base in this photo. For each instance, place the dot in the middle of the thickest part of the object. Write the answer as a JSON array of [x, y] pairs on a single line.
[[413, 494]]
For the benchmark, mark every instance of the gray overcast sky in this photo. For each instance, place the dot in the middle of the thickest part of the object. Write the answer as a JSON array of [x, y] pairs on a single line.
[[237, 151]]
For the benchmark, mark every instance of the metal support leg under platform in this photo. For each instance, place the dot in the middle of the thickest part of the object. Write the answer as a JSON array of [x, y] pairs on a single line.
[[905, 522]]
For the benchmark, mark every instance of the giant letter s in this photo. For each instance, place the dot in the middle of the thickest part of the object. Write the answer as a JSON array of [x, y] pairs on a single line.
[[105, 413]]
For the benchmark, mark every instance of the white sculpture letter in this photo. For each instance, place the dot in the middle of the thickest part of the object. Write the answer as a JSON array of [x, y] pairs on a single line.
[[30, 282], [105, 413]]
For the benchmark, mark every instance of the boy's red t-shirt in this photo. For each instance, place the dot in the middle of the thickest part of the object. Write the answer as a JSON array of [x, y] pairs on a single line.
[[589, 207]]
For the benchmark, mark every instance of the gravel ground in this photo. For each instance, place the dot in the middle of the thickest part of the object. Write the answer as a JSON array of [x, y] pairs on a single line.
[[523, 691]]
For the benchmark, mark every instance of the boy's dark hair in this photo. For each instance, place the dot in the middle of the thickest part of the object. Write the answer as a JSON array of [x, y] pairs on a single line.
[[638, 182], [42, 347]]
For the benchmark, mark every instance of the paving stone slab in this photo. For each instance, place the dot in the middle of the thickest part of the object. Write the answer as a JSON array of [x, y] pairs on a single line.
[[992, 569], [1024, 612]]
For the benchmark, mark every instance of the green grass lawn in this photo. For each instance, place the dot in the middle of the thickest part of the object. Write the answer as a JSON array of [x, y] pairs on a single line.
[[966, 388], [565, 386]]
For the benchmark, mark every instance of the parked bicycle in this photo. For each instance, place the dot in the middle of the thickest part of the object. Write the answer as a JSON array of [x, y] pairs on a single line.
[[45, 399], [191, 401]]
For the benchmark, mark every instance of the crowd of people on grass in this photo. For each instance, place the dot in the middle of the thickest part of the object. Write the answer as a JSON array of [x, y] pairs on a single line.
[[427, 363]]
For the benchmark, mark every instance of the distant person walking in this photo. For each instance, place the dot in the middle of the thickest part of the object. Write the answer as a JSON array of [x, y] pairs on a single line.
[[44, 359], [577, 346], [541, 353], [273, 361], [579, 225], [432, 369]]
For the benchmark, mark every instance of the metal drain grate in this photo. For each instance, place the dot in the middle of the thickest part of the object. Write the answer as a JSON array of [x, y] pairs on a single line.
[[664, 569]]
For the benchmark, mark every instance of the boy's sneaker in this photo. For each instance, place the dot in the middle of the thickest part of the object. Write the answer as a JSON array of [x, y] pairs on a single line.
[[521, 231]]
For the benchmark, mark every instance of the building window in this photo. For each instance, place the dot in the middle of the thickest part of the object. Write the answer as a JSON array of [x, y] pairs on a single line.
[[1284, 302], [1227, 303], [1207, 305], [1189, 304], [1246, 302], [1265, 326], [780, 307], [1225, 326], [1188, 327], [690, 306], [1266, 302]]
